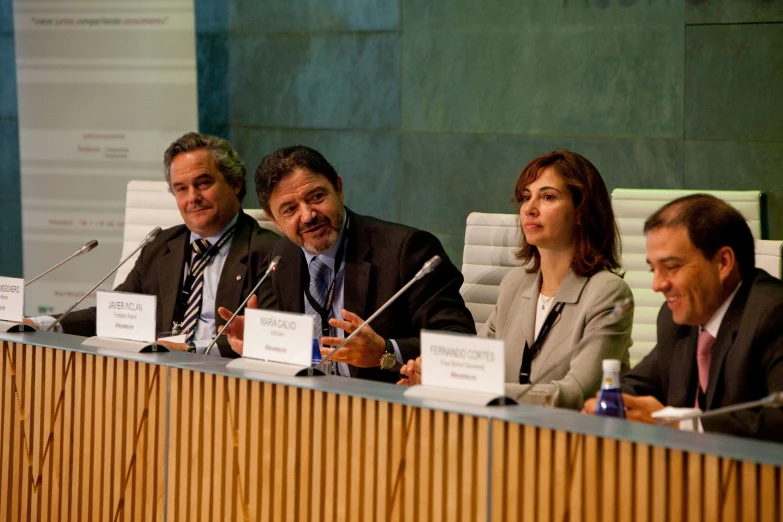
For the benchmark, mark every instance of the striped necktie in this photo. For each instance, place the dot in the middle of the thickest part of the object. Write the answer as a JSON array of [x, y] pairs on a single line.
[[319, 275], [193, 310]]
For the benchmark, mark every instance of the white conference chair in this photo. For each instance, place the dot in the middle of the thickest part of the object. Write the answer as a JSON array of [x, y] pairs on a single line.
[[632, 207], [769, 256], [490, 243], [149, 204]]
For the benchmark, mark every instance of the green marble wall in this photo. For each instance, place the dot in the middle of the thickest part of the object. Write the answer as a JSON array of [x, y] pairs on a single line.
[[430, 109], [10, 201]]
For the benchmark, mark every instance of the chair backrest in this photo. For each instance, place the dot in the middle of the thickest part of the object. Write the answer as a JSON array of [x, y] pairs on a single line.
[[769, 256], [490, 243], [631, 208], [149, 204]]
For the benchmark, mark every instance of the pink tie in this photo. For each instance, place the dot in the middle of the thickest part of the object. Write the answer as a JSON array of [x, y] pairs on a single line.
[[704, 356]]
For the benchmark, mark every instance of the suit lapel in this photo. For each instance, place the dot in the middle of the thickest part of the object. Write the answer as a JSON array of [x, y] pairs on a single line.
[[287, 279], [356, 286], [234, 274], [568, 292], [727, 333], [529, 292], [170, 268], [683, 381]]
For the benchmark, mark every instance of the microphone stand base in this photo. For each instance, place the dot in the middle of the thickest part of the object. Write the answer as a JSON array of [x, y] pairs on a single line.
[[461, 396], [123, 345], [258, 366], [12, 327]]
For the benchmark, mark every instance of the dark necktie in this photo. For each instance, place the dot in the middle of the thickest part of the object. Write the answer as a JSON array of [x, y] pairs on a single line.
[[319, 287], [193, 310]]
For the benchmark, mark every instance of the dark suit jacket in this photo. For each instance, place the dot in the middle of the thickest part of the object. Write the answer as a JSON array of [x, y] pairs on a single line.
[[160, 267], [747, 362], [380, 258]]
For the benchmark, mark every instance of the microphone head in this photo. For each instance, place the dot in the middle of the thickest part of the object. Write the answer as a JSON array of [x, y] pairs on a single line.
[[89, 245], [152, 235], [428, 267], [273, 264], [775, 399]]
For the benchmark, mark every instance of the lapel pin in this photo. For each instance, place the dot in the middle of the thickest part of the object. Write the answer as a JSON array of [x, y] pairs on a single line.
[[239, 278]]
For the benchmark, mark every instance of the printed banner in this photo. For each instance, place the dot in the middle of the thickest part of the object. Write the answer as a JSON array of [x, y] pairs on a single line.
[[103, 88]]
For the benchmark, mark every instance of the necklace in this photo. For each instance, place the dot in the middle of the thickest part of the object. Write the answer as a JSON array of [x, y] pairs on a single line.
[[544, 300]]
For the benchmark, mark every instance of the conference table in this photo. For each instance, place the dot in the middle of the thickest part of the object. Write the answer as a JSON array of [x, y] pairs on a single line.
[[99, 434]]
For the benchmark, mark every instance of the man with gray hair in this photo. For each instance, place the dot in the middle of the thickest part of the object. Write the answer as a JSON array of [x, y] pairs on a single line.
[[213, 260]]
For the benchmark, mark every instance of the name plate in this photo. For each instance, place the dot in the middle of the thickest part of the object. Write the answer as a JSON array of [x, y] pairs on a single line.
[[122, 315], [279, 337], [11, 299], [463, 362]]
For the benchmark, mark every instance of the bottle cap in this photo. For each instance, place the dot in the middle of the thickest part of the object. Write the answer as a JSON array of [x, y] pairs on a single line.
[[611, 365]]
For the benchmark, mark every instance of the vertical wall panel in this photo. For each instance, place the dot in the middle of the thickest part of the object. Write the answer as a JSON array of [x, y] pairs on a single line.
[[75, 428]]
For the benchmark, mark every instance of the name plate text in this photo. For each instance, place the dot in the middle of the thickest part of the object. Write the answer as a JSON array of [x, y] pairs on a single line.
[[279, 337], [462, 362], [11, 299], [122, 315]]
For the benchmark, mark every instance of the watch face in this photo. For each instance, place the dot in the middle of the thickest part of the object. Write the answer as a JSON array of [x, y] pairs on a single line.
[[388, 360]]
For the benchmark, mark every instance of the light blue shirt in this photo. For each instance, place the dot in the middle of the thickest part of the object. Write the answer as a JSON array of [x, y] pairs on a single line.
[[205, 326], [329, 258]]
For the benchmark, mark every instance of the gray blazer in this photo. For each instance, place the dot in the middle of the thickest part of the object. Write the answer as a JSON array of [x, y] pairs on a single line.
[[574, 375]]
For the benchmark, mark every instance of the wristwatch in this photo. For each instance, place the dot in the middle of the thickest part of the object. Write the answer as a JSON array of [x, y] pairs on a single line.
[[389, 358], [191, 347]]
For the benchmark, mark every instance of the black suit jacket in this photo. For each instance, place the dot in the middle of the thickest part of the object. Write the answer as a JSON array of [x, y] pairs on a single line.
[[747, 362], [380, 258], [160, 267]]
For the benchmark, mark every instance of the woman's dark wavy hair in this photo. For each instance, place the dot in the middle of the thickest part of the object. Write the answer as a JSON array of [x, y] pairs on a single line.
[[597, 237]]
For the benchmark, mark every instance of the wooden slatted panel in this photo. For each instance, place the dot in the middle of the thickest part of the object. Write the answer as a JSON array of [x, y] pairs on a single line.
[[592, 480], [768, 493], [609, 484], [659, 496], [642, 478], [576, 478], [530, 473], [362, 456], [84, 439], [729, 491], [676, 494], [76, 430], [499, 474]]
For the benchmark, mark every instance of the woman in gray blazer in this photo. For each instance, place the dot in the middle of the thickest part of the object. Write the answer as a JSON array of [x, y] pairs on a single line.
[[553, 311]]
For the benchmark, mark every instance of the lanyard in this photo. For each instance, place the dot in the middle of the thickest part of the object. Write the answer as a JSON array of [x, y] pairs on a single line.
[[184, 296], [325, 310], [530, 353]]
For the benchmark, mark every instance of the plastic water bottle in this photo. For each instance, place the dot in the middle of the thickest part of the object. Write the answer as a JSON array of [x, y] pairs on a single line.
[[610, 400]]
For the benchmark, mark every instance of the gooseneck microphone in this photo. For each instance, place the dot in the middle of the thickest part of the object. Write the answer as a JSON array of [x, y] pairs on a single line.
[[152, 235], [272, 267], [89, 245], [773, 400], [619, 308], [428, 267]]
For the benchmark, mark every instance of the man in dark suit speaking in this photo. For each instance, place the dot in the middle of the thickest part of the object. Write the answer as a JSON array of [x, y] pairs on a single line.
[[339, 267], [720, 333], [213, 260]]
